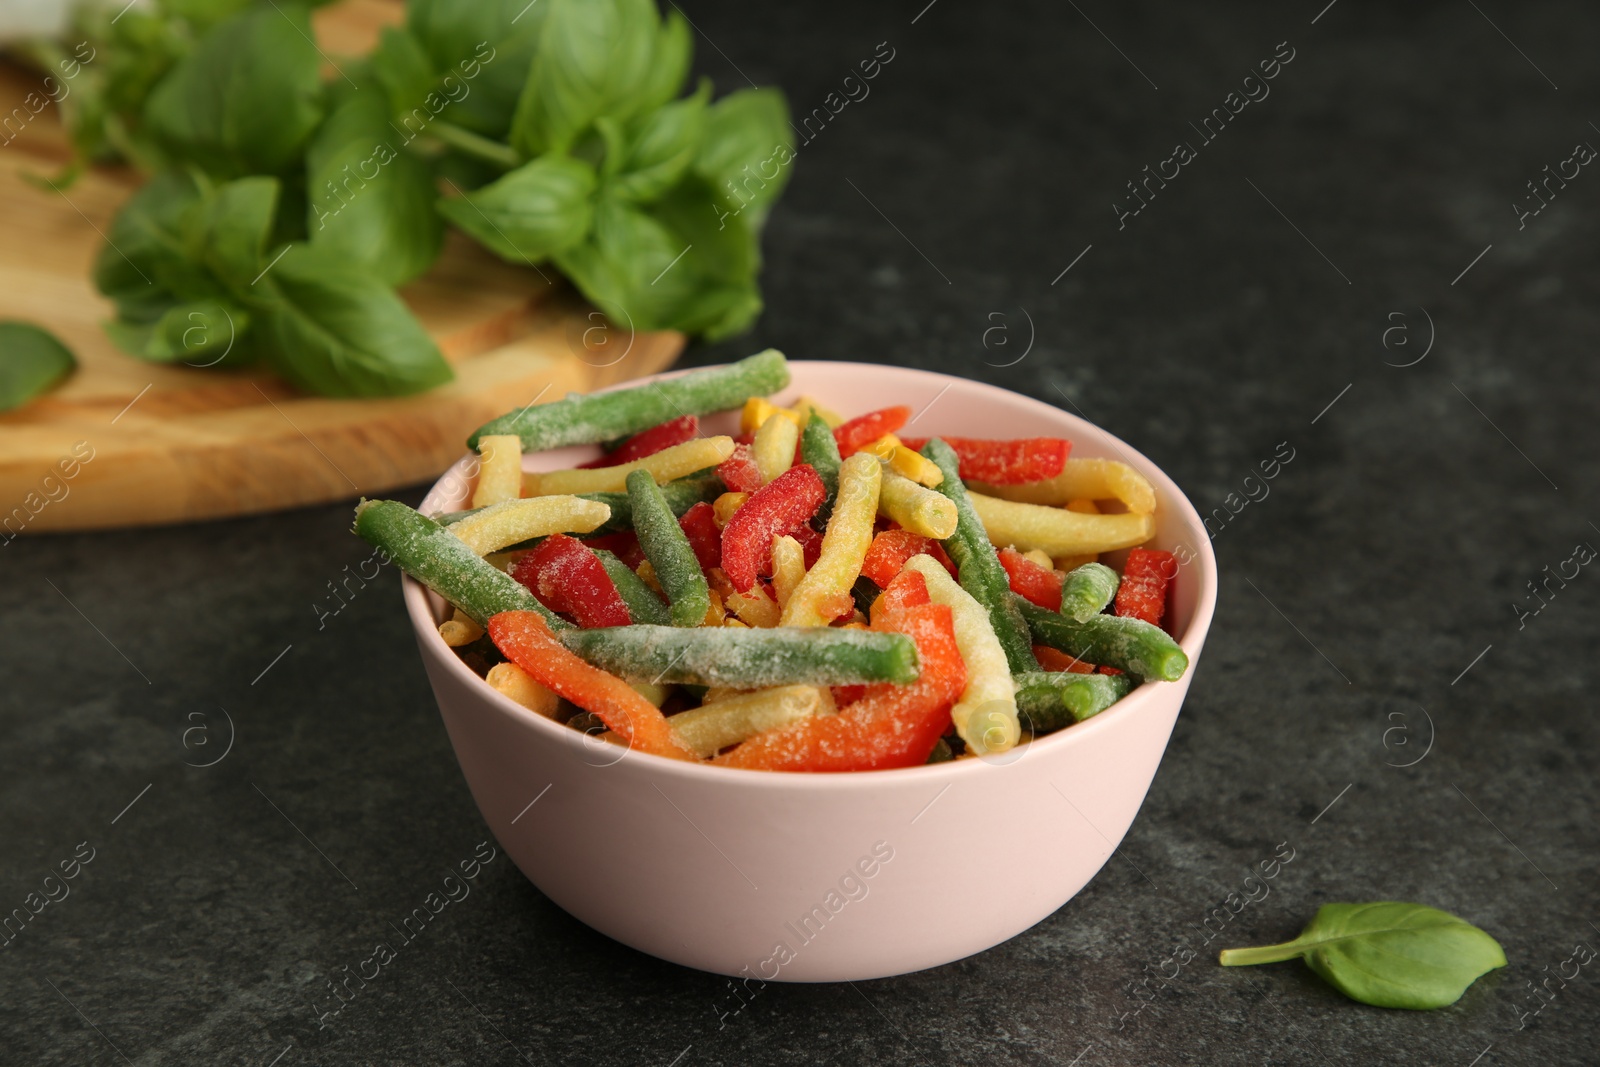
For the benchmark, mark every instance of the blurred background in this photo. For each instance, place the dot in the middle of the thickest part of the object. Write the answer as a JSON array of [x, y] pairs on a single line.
[[1378, 259]]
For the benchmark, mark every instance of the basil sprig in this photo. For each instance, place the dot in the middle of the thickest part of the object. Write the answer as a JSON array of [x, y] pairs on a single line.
[[1388, 954], [285, 204]]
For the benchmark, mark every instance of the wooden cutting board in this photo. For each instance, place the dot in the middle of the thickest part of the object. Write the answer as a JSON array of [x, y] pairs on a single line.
[[172, 444]]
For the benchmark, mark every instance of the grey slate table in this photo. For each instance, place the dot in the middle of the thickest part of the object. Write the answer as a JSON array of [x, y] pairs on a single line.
[[1339, 273]]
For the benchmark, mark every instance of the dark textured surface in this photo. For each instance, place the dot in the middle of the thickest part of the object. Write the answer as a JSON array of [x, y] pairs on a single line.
[[1207, 332]]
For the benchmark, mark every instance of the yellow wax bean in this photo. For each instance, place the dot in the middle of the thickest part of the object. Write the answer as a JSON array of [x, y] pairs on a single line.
[[499, 469], [920, 510], [511, 521], [1082, 506], [1057, 531], [916, 466], [986, 714], [1068, 564], [788, 567], [655, 694], [715, 726], [519, 685], [773, 447], [1091, 479], [843, 546], [460, 630], [757, 410], [664, 466], [883, 447], [805, 406], [1033, 555], [755, 608]]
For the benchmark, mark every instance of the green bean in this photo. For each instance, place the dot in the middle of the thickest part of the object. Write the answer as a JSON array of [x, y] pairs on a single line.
[[643, 604], [1128, 644], [441, 561], [818, 448], [747, 658], [580, 420], [668, 551], [1047, 701], [1087, 591], [980, 571], [681, 495]]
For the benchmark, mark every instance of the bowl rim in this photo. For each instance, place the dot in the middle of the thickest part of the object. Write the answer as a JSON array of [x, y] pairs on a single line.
[[415, 596]]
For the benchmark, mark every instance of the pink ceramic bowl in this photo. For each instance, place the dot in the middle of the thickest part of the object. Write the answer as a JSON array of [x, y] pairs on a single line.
[[815, 878]]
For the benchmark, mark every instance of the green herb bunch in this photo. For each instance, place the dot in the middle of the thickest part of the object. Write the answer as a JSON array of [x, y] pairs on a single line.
[[290, 193]]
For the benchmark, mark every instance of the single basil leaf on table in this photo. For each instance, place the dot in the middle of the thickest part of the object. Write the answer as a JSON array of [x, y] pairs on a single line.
[[245, 100], [486, 46], [31, 361], [530, 214], [1389, 954], [662, 147], [371, 202], [748, 149], [593, 59], [335, 330]]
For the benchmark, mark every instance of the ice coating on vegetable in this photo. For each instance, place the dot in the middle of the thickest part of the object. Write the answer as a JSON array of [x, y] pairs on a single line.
[[442, 561], [582, 420], [747, 658]]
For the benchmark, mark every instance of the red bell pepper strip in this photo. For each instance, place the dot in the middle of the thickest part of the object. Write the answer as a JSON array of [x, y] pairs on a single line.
[[810, 542], [908, 590], [739, 471], [777, 508], [1051, 659], [1030, 581], [624, 544], [853, 436], [1145, 581], [526, 640], [569, 578], [649, 442], [848, 694], [699, 525], [891, 726], [891, 548], [1027, 459], [888, 554]]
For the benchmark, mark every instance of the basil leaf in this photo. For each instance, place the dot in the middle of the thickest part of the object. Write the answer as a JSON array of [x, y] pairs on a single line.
[[486, 46], [594, 59], [1388, 954], [748, 149], [663, 148], [404, 69], [238, 221], [669, 69], [335, 330], [245, 100], [536, 211], [31, 361], [201, 334], [668, 267], [369, 202], [149, 260]]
